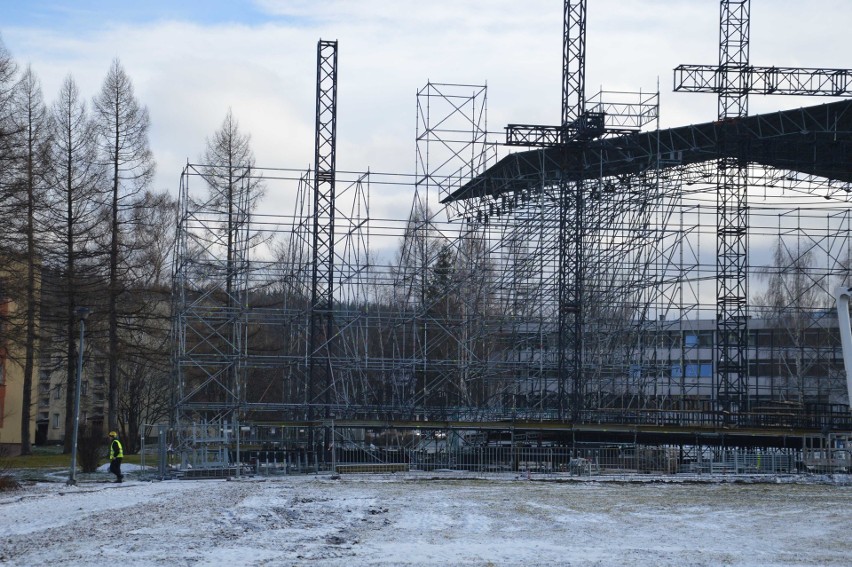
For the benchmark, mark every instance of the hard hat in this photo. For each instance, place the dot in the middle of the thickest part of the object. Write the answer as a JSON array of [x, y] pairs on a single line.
[[113, 434]]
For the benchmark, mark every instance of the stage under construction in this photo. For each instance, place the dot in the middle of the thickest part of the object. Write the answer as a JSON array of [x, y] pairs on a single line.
[[660, 296]]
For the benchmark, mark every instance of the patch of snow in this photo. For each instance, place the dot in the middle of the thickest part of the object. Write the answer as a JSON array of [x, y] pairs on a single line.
[[431, 519], [125, 467]]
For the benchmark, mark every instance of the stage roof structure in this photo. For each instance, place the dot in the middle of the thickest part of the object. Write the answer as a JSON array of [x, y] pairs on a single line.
[[815, 140]]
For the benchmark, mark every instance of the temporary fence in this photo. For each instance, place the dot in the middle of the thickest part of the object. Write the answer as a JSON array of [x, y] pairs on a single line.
[[539, 460]]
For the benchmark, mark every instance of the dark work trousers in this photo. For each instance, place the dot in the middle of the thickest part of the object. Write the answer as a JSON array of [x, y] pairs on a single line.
[[115, 468]]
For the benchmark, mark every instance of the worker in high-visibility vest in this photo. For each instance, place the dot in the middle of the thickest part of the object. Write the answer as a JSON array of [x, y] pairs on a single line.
[[116, 454]]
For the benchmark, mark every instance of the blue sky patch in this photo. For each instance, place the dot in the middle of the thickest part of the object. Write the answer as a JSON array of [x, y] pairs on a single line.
[[92, 14]]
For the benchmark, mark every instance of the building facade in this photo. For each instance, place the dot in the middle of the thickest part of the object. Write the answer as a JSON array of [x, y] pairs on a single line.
[[12, 379]]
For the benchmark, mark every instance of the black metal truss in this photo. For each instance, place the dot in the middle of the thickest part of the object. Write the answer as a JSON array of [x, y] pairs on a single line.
[[732, 207], [570, 276], [732, 284], [573, 62], [734, 23], [576, 124], [764, 80], [604, 118], [322, 281], [814, 141], [589, 126], [733, 80], [624, 112], [532, 135], [577, 127]]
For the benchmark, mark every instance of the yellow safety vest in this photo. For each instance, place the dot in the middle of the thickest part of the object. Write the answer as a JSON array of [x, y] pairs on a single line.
[[116, 453]]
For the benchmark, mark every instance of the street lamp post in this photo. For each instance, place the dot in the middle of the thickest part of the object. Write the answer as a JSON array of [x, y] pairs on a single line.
[[82, 313]]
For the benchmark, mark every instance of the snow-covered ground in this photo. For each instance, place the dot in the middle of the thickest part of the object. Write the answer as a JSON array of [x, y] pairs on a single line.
[[441, 519]]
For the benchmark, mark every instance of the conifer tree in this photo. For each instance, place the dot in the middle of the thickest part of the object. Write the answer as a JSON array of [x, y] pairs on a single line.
[[122, 135], [76, 203], [31, 157]]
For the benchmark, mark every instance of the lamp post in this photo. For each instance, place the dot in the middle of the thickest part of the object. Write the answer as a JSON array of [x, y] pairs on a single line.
[[82, 313]]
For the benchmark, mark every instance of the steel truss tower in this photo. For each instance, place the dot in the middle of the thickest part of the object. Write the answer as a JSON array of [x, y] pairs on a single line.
[[732, 80], [577, 126], [321, 343], [571, 271], [573, 63], [731, 195]]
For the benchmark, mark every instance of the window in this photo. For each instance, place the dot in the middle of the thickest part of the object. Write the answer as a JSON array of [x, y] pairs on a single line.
[[57, 392], [817, 370], [84, 387], [762, 367], [703, 370], [56, 421], [673, 339], [762, 338], [816, 337]]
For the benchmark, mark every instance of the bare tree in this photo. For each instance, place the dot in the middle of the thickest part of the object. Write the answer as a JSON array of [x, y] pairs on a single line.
[[122, 136], [8, 129], [418, 249], [151, 239], [228, 160], [144, 395], [145, 390], [233, 191], [794, 292], [8, 70], [77, 199], [31, 121]]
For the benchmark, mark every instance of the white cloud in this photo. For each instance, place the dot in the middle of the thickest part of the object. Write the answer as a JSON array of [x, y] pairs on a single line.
[[188, 74]]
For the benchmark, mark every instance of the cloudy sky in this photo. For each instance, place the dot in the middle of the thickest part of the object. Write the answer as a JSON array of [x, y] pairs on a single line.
[[191, 60]]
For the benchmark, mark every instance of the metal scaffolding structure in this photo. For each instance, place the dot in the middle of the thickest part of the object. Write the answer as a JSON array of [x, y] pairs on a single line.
[[596, 288], [732, 80]]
